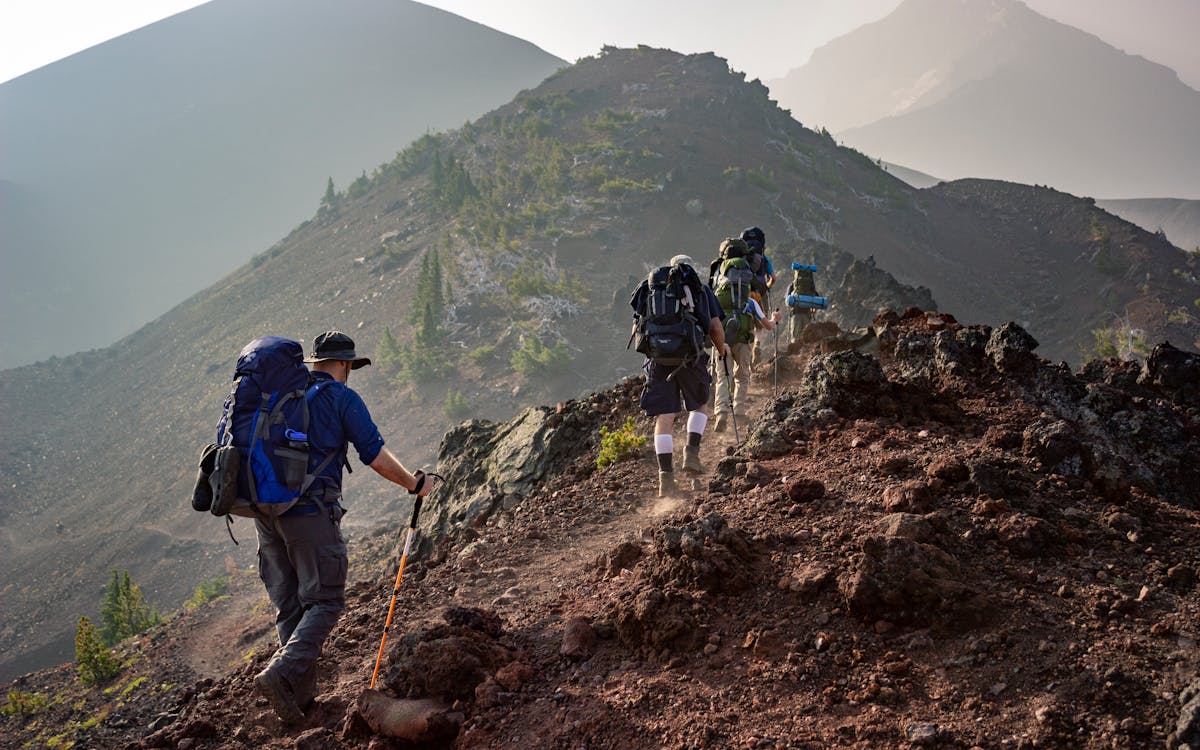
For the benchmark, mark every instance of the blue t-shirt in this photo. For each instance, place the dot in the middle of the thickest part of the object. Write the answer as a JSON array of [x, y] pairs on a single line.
[[338, 418]]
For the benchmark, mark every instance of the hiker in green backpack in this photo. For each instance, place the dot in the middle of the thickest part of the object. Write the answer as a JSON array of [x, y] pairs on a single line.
[[735, 285]]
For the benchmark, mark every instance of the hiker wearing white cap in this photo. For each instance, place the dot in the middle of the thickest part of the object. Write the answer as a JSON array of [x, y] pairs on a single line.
[[675, 316]]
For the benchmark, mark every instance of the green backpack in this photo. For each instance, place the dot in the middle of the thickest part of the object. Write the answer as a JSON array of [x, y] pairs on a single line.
[[735, 281]]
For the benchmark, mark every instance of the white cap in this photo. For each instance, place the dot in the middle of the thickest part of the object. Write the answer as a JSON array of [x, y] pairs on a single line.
[[682, 259]]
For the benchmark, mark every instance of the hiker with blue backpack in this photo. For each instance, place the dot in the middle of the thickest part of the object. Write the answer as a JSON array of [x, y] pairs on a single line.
[[764, 272], [281, 446], [675, 317]]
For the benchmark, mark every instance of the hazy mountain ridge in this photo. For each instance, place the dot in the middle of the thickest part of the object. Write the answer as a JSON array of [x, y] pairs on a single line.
[[988, 88], [154, 163], [1179, 219], [604, 170]]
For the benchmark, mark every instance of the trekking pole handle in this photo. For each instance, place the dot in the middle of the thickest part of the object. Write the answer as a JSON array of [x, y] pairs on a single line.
[[421, 479]]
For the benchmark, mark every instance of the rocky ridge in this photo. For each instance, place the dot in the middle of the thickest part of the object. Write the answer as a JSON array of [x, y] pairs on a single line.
[[954, 544]]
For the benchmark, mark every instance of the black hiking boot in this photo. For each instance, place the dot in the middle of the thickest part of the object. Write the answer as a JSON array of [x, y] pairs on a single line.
[[691, 460], [279, 694]]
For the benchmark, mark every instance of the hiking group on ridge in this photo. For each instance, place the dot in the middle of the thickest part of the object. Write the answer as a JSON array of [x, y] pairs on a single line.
[[677, 319]]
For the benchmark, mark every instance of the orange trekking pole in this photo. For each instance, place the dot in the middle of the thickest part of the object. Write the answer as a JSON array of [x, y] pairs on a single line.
[[412, 529]]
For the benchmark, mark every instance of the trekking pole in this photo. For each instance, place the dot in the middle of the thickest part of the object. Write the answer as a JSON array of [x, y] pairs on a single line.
[[775, 335], [729, 386], [412, 529]]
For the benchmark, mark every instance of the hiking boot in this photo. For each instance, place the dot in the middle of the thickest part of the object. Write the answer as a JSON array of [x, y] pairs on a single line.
[[279, 694], [306, 688], [691, 460], [666, 484], [720, 424]]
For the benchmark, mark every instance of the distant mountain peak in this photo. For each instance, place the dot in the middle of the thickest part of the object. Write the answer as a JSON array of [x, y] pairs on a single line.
[[991, 88]]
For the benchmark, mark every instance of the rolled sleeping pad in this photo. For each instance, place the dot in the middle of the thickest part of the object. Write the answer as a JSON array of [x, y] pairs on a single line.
[[807, 266], [807, 301]]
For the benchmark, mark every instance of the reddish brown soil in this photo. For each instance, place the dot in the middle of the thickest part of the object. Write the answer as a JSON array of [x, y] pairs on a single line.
[[1056, 614]]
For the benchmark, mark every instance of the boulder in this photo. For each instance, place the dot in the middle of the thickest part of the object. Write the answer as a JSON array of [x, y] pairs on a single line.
[[1010, 349], [901, 581], [423, 720], [579, 638]]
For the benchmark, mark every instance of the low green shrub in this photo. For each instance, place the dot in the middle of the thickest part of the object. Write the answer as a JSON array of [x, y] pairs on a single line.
[[22, 704], [206, 591], [616, 445], [535, 358], [456, 405]]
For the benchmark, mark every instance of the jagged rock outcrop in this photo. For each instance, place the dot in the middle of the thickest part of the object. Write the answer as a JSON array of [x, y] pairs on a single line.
[[1105, 424], [866, 289], [491, 466]]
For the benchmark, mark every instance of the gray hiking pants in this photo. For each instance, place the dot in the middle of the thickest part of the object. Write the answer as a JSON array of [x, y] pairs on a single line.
[[302, 561]]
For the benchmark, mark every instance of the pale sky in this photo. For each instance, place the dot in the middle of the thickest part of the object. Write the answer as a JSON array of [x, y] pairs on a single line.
[[762, 38], [770, 37]]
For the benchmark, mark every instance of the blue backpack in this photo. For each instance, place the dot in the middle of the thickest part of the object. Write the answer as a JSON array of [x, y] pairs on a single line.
[[261, 454]]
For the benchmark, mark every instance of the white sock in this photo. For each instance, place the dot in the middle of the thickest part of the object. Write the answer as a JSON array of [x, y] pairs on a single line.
[[696, 422], [664, 444]]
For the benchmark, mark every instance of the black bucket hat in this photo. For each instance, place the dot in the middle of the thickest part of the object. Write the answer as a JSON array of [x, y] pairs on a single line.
[[754, 238], [336, 345]]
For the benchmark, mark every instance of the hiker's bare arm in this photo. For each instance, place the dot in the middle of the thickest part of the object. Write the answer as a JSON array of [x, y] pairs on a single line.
[[716, 332], [387, 466], [770, 321]]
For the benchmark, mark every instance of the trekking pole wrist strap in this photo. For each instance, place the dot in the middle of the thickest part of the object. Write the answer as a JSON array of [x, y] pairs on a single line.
[[420, 475]]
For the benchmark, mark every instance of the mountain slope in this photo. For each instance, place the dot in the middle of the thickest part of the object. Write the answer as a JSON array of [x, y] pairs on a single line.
[[1008, 94], [956, 545], [544, 213], [146, 168]]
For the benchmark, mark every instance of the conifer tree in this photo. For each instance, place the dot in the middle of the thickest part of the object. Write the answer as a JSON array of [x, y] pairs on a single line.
[[124, 612], [388, 355], [329, 201], [93, 661]]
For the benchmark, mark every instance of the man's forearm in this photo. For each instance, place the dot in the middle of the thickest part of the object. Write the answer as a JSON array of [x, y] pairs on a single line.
[[389, 467]]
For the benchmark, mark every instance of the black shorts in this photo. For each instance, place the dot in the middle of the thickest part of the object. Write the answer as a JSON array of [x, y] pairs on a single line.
[[690, 385]]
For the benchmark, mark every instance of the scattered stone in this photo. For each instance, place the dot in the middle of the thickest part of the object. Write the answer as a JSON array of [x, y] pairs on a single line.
[[1024, 535], [809, 580], [1187, 728], [901, 581], [805, 490], [578, 639], [620, 558], [1181, 577], [921, 735], [905, 526], [312, 739], [910, 497], [514, 675], [948, 469]]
